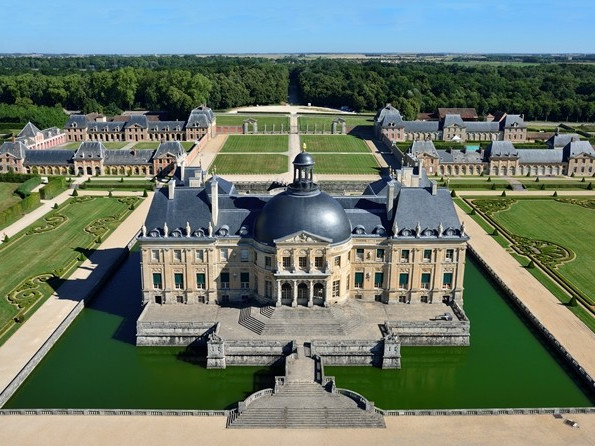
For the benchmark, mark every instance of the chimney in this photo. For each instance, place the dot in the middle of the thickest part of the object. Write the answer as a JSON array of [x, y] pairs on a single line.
[[182, 169], [214, 200], [171, 188], [390, 200], [434, 187]]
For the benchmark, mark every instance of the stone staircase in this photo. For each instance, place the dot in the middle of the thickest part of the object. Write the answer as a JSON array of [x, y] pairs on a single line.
[[304, 406]]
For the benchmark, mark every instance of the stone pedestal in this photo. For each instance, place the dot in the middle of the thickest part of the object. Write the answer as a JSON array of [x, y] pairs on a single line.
[[391, 357], [215, 352]]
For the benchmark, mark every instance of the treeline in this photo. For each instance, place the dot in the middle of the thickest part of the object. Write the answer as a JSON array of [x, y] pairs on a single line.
[[43, 117], [549, 92], [219, 82]]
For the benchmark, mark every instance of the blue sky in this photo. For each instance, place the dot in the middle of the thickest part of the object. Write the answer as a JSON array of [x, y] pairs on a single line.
[[258, 26]]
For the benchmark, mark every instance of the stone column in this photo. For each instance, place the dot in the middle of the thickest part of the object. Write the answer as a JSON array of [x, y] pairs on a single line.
[[294, 294], [278, 303], [328, 290], [310, 294]]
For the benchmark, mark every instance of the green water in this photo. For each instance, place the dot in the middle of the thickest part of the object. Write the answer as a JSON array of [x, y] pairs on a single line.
[[96, 365]]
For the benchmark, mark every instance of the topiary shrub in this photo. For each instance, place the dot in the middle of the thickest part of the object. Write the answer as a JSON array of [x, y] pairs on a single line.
[[555, 194], [6, 238], [453, 193], [75, 193], [55, 206], [109, 194], [590, 186], [489, 180], [537, 180], [542, 187], [572, 302], [531, 264], [572, 174], [121, 179], [582, 179], [503, 194], [19, 318], [145, 193], [494, 186], [495, 232]]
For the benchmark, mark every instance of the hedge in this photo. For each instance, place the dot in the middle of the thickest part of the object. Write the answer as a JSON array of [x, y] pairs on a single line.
[[12, 177], [24, 190], [54, 187], [119, 186], [14, 212]]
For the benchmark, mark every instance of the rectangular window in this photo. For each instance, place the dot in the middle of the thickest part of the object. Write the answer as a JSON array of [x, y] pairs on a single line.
[[338, 261], [224, 280], [427, 255], [179, 281], [180, 299], [286, 262], [403, 281], [200, 255], [380, 255], [244, 255], [155, 255], [404, 256], [200, 281], [403, 299], [424, 299], [157, 284], [177, 255], [359, 280], [268, 289], [318, 261], [245, 280], [303, 262], [425, 281], [267, 262], [336, 288], [378, 280], [447, 281], [449, 255], [359, 255], [224, 254]]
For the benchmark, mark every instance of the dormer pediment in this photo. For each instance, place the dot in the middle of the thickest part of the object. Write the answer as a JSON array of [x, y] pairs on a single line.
[[302, 237]]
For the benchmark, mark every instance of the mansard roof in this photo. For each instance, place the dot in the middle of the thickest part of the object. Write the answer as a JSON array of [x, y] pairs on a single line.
[[460, 156], [420, 147], [389, 116], [170, 147], [105, 126], [90, 150], [55, 157], [559, 140], [166, 126], [16, 149], [28, 131], [77, 121], [531, 156], [452, 120], [137, 120], [421, 126], [501, 149], [576, 148], [201, 117], [482, 126], [514, 121], [118, 157]]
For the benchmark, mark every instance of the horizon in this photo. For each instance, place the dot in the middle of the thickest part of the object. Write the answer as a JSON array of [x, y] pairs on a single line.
[[426, 27]]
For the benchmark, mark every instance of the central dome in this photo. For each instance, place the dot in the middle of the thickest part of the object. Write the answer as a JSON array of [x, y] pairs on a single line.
[[287, 213]]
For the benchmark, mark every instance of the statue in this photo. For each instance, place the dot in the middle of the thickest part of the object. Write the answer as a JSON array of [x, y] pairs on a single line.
[[463, 229], [418, 230], [144, 230], [165, 230], [440, 230], [187, 229], [210, 229]]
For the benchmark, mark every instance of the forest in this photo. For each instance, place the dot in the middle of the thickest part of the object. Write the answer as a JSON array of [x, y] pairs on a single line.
[[176, 84]]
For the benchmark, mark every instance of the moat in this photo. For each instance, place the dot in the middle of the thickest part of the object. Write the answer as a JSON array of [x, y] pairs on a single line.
[[97, 365]]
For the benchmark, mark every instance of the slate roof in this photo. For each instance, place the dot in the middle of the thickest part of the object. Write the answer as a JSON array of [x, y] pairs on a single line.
[[466, 113], [77, 121], [29, 131], [137, 120], [575, 148], [172, 147], [529, 156], [116, 157], [460, 156], [90, 150], [559, 140], [201, 117], [105, 126], [421, 126], [389, 116], [514, 121], [166, 126], [49, 132], [16, 149], [501, 149], [51, 157], [482, 126], [419, 147], [450, 120]]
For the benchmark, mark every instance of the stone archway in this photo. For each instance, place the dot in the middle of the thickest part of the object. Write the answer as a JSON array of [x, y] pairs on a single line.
[[286, 294], [318, 294], [302, 294]]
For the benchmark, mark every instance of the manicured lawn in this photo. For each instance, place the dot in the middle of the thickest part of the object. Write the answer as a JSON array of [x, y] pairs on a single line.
[[69, 146], [114, 145], [308, 122], [333, 144], [346, 164], [146, 145], [255, 143], [50, 248], [233, 119], [566, 224], [250, 164], [7, 198], [187, 145]]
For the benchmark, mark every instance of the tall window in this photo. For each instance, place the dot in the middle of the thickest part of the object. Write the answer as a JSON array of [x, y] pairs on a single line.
[[268, 289], [177, 255], [336, 288], [200, 281], [244, 255], [200, 255], [359, 280], [245, 280], [378, 279], [267, 262], [155, 255], [157, 282], [318, 261], [380, 255], [359, 255], [179, 281], [224, 280], [286, 262], [449, 255], [404, 256], [447, 281], [338, 261], [425, 281], [303, 262], [427, 255], [403, 281], [224, 254]]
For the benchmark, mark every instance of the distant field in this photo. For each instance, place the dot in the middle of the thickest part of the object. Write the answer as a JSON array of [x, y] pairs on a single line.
[[7, 198], [268, 121], [333, 144], [250, 164], [346, 164], [255, 143], [325, 121]]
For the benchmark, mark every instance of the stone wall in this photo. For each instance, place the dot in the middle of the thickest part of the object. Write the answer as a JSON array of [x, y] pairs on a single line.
[[172, 333], [349, 352], [256, 352], [443, 333]]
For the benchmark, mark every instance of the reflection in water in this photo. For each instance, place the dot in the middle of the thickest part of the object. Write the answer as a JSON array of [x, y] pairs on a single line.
[[97, 365]]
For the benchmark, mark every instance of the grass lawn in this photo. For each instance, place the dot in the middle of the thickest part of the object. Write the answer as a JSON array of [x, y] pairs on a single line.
[[51, 247], [333, 144], [325, 121], [346, 164], [255, 143], [250, 164], [114, 145], [187, 145], [69, 146], [146, 145], [566, 224], [7, 198], [233, 119]]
